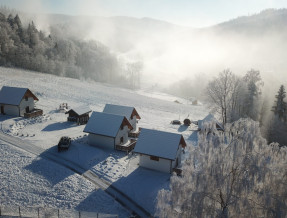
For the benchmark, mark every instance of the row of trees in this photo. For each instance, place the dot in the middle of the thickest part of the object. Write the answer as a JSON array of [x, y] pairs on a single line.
[[61, 54], [234, 97]]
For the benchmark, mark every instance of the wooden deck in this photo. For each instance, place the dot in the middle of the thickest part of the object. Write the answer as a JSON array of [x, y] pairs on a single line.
[[135, 134], [127, 148], [34, 113]]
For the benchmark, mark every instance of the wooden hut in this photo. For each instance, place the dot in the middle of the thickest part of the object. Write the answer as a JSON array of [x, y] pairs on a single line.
[[17, 101], [80, 115]]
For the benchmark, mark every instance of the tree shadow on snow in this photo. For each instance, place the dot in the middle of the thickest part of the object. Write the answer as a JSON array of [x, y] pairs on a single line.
[[182, 128], [142, 185], [97, 202], [50, 170], [59, 126], [193, 137]]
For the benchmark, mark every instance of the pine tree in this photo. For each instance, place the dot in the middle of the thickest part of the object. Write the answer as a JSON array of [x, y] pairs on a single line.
[[280, 107]]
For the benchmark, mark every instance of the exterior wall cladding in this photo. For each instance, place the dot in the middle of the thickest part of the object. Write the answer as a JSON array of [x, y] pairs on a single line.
[[162, 165], [108, 142], [13, 110]]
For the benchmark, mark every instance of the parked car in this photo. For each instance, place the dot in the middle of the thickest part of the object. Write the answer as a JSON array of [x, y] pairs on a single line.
[[64, 143]]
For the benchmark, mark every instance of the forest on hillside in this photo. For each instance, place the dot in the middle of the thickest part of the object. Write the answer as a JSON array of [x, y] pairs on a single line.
[[56, 53]]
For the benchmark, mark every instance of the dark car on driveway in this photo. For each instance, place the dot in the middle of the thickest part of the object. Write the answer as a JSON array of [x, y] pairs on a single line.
[[64, 143]]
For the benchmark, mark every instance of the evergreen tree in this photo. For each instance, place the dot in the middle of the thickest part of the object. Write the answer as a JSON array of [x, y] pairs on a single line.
[[280, 105], [254, 84]]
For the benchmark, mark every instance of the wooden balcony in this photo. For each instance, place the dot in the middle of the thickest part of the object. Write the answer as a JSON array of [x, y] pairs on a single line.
[[135, 134], [33, 113], [127, 147]]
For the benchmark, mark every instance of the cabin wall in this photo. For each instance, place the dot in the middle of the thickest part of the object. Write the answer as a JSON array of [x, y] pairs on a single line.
[[133, 122], [23, 104], [122, 133], [177, 161], [101, 141], [162, 165], [11, 110]]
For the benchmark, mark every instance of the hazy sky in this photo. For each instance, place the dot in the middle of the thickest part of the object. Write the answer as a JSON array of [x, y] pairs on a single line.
[[195, 13]]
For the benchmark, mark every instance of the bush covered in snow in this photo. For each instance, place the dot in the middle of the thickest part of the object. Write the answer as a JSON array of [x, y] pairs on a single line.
[[230, 174]]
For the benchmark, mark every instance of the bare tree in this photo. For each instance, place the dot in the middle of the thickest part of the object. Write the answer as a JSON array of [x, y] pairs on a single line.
[[230, 174], [223, 92]]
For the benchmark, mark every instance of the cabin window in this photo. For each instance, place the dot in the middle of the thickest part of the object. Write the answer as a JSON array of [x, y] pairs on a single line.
[[122, 127], [122, 140], [154, 158], [26, 98]]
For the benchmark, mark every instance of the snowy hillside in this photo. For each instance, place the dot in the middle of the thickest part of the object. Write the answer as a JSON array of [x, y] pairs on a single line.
[[156, 110]]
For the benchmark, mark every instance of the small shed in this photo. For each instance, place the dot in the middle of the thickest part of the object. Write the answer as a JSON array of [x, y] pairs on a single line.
[[209, 119], [159, 150], [129, 112], [79, 115], [108, 130], [17, 101]]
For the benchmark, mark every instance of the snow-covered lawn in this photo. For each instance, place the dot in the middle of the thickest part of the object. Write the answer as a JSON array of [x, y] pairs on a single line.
[[30, 181], [156, 110]]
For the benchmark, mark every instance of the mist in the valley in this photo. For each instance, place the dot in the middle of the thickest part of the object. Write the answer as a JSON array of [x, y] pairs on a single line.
[[172, 53], [180, 59]]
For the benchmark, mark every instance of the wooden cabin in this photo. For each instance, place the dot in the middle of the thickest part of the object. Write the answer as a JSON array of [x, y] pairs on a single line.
[[129, 112], [159, 150], [108, 131], [16, 101], [80, 115]]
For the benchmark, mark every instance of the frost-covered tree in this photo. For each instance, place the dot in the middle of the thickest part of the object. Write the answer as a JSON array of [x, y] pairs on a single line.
[[230, 174], [280, 107]]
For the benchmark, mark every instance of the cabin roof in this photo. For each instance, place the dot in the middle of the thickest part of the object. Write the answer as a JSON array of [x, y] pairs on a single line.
[[14, 95], [159, 143], [80, 110], [105, 124], [126, 111]]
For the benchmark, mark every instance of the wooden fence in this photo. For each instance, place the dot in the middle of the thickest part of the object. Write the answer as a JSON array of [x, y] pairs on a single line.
[[39, 212]]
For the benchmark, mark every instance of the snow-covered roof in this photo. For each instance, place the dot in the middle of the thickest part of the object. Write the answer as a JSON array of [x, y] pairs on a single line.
[[159, 143], [80, 110], [121, 110], [209, 118], [105, 124], [13, 95]]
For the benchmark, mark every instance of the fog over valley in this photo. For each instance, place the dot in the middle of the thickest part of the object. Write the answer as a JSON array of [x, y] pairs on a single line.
[[131, 108]]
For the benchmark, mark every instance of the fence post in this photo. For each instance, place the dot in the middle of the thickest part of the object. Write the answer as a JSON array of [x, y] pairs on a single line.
[[0, 211], [58, 213], [38, 212], [19, 212], [79, 214]]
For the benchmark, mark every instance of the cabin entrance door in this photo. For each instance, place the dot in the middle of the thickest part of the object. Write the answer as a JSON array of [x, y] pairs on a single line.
[[2, 109], [27, 109]]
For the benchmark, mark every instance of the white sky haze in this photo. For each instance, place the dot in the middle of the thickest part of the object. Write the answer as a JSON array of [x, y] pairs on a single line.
[[192, 13]]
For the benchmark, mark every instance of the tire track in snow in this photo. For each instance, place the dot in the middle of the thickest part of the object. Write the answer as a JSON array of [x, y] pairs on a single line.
[[119, 196]]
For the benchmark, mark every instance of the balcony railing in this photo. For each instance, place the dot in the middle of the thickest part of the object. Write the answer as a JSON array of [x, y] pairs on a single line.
[[33, 113], [127, 147]]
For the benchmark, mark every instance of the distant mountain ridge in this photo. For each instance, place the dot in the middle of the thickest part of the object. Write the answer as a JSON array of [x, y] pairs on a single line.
[[266, 21]]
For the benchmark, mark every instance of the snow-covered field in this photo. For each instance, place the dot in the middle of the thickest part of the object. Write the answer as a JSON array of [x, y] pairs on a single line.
[[156, 110]]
